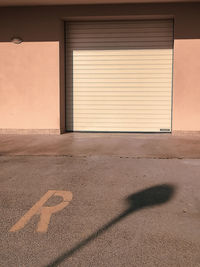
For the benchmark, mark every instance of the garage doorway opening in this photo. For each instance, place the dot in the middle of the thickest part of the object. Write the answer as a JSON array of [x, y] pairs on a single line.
[[119, 76]]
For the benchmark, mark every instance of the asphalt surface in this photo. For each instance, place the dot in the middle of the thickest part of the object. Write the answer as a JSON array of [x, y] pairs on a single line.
[[124, 211]]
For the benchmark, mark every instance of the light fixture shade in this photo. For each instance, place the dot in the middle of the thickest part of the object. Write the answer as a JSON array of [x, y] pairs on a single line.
[[16, 40]]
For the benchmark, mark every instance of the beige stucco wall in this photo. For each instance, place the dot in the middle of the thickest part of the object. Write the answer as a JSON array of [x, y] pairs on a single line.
[[29, 85], [32, 75], [186, 114]]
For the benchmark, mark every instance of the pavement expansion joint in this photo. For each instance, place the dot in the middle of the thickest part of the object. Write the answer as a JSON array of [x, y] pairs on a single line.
[[92, 156]]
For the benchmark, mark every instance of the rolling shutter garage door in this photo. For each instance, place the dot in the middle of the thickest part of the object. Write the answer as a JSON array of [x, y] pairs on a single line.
[[119, 76]]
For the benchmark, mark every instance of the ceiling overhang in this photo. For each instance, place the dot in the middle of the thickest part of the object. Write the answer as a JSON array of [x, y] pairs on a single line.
[[81, 2]]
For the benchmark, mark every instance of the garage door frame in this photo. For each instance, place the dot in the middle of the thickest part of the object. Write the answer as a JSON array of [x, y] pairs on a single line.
[[116, 19]]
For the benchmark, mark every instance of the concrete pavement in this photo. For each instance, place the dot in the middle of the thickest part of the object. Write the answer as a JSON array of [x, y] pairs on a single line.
[[125, 211], [104, 144]]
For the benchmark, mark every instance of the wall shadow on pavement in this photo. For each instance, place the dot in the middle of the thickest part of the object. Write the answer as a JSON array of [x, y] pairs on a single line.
[[149, 197]]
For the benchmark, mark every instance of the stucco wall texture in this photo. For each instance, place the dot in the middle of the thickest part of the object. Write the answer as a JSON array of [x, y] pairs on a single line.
[[32, 74]]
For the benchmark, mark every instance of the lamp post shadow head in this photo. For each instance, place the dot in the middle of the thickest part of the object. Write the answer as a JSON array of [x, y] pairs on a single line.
[[149, 197]]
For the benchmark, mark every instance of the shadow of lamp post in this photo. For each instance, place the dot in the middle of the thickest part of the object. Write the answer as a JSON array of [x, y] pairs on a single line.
[[149, 197]]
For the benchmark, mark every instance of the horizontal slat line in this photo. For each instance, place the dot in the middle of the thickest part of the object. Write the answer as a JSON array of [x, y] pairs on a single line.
[[111, 64], [111, 70], [78, 58], [84, 80], [153, 75], [123, 87], [118, 46], [125, 52], [124, 71], [160, 126], [118, 31], [123, 75], [92, 109], [123, 99], [92, 26], [121, 40], [118, 82], [82, 54], [131, 70], [137, 32], [115, 92], [76, 61], [137, 130], [119, 105], [124, 81], [120, 27], [109, 40], [152, 68], [144, 43], [79, 87], [125, 34], [120, 57], [124, 22], [80, 78], [107, 22], [132, 119], [98, 36], [167, 111], [119, 95], [74, 28], [121, 90], [124, 39], [134, 106], [125, 119], [124, 114], [157, 125], [128, 52], [120, 123], [122, 95], [94, 75], [90, 65], [122, 45], [122, 102]]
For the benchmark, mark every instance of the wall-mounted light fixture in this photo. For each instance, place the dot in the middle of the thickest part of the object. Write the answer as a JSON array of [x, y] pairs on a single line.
[[16, 40]]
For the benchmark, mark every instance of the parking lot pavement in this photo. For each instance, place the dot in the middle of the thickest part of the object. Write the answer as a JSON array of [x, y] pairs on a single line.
[[99, 211]]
